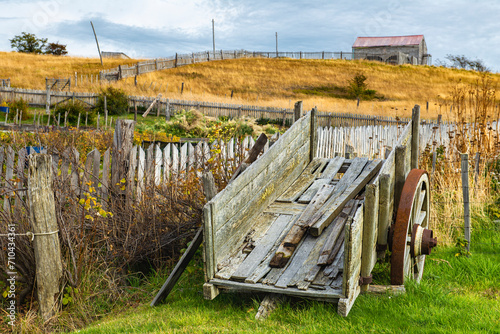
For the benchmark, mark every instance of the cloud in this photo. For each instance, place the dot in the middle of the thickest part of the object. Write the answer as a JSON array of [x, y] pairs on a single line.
[[155, 28]]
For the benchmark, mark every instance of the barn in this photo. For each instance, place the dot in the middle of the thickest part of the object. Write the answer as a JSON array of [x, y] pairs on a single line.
[[396, 50]]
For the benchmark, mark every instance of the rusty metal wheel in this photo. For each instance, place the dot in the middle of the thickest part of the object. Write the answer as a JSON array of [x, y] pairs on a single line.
[[411, 240]]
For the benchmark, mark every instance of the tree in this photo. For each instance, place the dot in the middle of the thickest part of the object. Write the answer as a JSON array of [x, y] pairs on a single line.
[[28, 43], [56, 49], [461, 61]]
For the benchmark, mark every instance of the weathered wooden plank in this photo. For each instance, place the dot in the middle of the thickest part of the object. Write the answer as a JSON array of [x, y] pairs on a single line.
[[296, 261], [256, 185], [140, 174], [295, 136], [285, 208], [9, 185], [208, 239], [75, 171], [105, 177], [157, 165], [304, 181], [262, 247], [19, 194], [297, 232], [167, 160], [311, 260], [328, 294], [130, 174], [332, 211], [263, 268], [337, 282], [232, 263], [352, 250], [337, 264], [332, 168], [47, 249], [333, 235], [400, 173], [370, 231], [268, 193], [179, 269], [308, 195], [316, 207], [233, 260]]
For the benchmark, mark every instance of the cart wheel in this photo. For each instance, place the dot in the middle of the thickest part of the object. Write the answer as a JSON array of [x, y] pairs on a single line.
[[411, 240]]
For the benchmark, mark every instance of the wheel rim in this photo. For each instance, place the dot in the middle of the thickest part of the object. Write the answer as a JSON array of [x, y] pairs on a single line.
[[412, 221]]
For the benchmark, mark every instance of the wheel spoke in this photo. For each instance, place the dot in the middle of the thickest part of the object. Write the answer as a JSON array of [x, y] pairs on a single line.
[[407, 263], [421, 200], [421, 217]]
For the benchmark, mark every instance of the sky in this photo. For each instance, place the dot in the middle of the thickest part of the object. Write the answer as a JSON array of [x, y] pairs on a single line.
[[154, 28]]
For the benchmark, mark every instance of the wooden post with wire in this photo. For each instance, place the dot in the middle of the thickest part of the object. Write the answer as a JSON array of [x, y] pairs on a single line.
[[465, 191], [45, 233]]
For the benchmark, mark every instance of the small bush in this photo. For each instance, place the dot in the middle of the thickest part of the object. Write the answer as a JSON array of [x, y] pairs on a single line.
[[357, 88], [73, 109], [116, 101], [19, 105]]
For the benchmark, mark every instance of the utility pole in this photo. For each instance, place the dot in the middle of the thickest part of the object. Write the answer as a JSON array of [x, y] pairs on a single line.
[[213, 34], [276, 44], [97, 42]]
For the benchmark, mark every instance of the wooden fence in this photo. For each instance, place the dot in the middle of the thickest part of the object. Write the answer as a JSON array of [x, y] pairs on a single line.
[[148, 167], [125, 71], [166, 107], [38, 98], [377, 141]]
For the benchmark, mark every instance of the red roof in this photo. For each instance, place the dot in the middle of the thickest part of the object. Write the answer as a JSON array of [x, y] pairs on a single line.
[[366, 42]]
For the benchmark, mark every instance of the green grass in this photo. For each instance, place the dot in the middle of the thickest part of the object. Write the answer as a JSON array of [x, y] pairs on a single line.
[[457, 295]]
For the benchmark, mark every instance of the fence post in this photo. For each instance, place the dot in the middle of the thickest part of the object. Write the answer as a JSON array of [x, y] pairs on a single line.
[[44, 224], [105, 112], [135, 111], [465, 191], [476, 167], [167, 111], [122, 145], [297, 112], [415, 119], [47, 101]]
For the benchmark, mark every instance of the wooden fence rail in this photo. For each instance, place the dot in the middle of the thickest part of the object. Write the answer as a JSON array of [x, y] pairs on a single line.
[[148, 167], [167, 107], [124, 71]]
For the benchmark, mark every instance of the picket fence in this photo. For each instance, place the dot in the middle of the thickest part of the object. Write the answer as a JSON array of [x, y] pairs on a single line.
[[374, 141], [166, 107], [152, 166]]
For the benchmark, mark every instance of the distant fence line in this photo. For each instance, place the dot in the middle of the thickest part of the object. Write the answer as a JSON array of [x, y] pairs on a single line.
[[374, 141], [166, 107], [125, 71]]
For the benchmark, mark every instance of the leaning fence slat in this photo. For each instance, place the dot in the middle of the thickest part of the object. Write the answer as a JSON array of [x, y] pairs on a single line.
[[157, 165], [9, 173], [167, 161], [21, 161], [75, 170], [140, 174], [105, 177]]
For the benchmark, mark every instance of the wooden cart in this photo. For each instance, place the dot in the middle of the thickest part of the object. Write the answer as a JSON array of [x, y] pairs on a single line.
[[310, 227]]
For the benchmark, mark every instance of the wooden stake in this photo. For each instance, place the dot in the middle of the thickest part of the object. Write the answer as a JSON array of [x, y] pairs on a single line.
[[465, 191], [44, 225]]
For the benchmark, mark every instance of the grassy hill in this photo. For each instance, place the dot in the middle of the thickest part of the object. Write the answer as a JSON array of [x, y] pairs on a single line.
[[268, 82]]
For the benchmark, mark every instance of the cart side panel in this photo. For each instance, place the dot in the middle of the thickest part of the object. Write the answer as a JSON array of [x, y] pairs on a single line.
[[228, 217], [387, 180], [352, 261]]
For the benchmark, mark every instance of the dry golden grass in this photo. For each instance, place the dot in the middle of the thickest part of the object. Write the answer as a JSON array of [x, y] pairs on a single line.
[[267, 82]]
